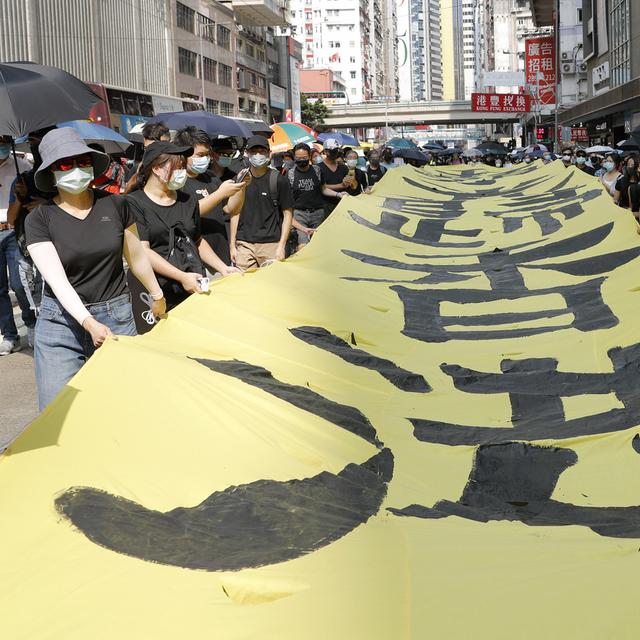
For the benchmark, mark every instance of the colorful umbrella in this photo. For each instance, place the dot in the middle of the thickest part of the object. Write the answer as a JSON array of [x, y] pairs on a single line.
[[287, 135]]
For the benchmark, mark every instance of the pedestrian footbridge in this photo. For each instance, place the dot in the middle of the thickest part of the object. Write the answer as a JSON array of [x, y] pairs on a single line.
[[377, 114]]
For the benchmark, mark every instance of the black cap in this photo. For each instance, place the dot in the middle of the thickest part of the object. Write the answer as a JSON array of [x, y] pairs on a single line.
[[160, 147], [257, 141]]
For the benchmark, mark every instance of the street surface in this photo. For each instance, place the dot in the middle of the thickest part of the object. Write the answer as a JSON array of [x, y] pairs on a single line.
[[19, 405]]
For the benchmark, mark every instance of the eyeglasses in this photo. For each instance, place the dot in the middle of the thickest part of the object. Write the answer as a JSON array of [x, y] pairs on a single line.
[[66, 164]]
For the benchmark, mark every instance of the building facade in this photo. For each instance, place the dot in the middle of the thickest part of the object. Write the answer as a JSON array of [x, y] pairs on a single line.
[[425, 50], [611, 108], [204, 54], [82, 37]]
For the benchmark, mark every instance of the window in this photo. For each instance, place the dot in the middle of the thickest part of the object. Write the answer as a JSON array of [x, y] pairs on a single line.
[[189, 106], [251, 51], [352, 59], [212, 105], [353, 91], [226, 109], [206, 28], [619, 41], [185, 17], [224, 37], [187, 61], [224, 75], [210, 68], [353, 75], [252, 106]]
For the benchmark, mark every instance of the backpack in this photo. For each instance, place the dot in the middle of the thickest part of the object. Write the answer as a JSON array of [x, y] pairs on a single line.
[[183, 254]]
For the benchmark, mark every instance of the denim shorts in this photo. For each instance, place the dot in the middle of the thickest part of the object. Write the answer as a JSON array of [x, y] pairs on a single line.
[[62, 346]]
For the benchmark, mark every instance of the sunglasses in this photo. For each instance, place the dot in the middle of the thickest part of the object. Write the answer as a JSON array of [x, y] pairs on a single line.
[[66, 164]]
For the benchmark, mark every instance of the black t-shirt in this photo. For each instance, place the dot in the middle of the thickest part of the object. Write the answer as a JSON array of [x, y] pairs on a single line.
[[622, 185], [362, 183], [91, 249], [260, 220], [586, 169], [330, 177], [307, 188], [154, 219], [375, 175], [214, 224]]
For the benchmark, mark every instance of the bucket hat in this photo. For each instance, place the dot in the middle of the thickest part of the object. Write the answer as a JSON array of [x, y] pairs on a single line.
[[65, 142]]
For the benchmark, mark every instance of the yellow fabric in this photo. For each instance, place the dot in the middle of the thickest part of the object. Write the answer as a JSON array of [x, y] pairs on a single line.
[[145, 421]]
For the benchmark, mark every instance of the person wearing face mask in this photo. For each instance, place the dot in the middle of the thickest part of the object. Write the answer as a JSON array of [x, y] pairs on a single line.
[[9, 254], [222, 159], [169, 222], [334, 174], [611, 173], [77, 241], [498, 163], [357, 177], [547, 157], [307, 188], [567, 157], [375, 171], [259, 233], [581, 162], [387, 159], [626, 193], [595, 162], [288, 162], [217, 200]]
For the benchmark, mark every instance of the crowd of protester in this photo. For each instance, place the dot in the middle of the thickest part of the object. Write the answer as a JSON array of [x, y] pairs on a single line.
[[186, 208]]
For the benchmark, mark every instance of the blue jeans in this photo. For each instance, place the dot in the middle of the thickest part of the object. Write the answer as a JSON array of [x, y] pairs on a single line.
[[9, 263], [62, 346]]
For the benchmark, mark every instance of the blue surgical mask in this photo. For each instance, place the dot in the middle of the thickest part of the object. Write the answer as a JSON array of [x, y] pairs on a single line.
[[609, 166], [259, 160], [200, 164], [225, 161], [177, 180], [580, 160], [5, 150]]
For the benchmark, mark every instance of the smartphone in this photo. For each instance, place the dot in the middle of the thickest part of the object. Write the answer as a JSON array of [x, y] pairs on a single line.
[[243, 175]]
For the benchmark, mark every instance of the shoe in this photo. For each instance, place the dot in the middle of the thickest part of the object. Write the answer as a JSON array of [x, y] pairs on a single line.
[[9, 346], [31, 335]]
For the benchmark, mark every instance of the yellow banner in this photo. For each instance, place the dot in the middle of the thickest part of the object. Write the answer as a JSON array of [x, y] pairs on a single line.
[[424, 425]]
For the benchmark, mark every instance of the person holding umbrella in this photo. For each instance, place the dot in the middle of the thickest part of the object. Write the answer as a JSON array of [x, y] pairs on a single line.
[[9, 255], [77, 241]]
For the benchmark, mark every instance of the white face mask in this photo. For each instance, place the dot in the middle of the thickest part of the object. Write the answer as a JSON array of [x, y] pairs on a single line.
[[75, 180], [258, 160], [200, 164], [178, 178], [566, 158], [498, 164], [352, 164]]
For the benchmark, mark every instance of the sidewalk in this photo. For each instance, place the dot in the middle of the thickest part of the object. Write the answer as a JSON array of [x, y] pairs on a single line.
[[19, 405]]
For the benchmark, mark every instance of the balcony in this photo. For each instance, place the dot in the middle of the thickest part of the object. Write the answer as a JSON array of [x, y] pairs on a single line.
[[542, 11], [260, 13]]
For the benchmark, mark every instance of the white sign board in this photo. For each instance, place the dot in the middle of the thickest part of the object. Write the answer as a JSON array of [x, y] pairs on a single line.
[[295, 90], [163, 104], [277, 96], [503, 78]]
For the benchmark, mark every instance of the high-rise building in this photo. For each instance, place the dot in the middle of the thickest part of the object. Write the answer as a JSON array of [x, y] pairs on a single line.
[[425, 50], [458, 49], [391, 81], [337, 36]]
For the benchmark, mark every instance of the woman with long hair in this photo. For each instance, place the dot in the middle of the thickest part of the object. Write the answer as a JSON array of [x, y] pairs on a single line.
[[169, 224], [611, 173], [627, 193], [77, 241]]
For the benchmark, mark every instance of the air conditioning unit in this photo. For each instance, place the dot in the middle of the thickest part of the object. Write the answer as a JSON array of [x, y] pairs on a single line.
[[566, 56], [568, 68], [582, 67]]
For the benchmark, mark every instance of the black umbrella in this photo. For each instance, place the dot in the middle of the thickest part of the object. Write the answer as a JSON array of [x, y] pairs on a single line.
[[257, 127], [35, 96], [492, 148], [452, 151], [631, 144], [213, 124], [432, 146], [410, 154]]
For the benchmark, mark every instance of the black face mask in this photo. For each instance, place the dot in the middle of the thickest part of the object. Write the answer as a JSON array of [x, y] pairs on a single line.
[[374, 162], [332, 155], [302, 164]]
